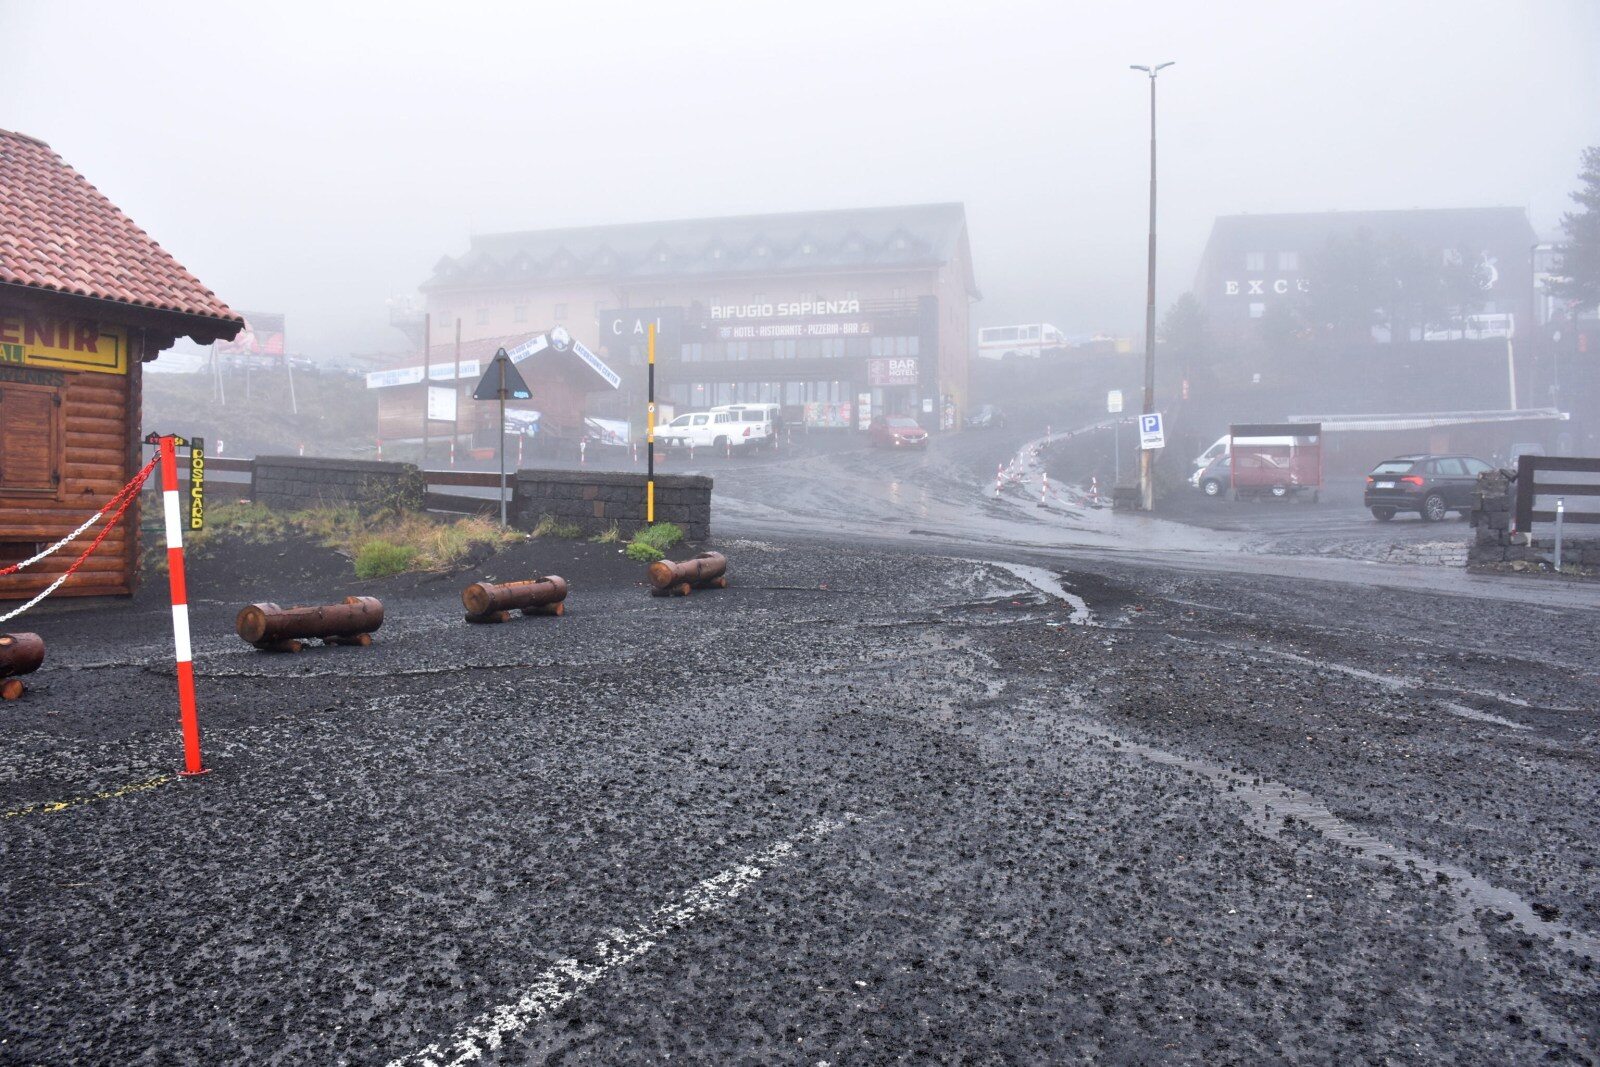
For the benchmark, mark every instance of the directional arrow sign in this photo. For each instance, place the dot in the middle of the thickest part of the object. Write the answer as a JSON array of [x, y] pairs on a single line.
[[502, 381]]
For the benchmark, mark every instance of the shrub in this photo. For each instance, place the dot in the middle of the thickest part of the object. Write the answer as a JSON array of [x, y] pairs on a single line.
[[610, 536], [640, 552], [379, 559]]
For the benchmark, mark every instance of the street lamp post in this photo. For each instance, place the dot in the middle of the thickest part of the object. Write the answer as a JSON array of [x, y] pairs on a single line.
[[1147, 492]]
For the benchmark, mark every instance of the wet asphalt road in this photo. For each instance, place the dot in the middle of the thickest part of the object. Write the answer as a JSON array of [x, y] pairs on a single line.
[[889, 798]]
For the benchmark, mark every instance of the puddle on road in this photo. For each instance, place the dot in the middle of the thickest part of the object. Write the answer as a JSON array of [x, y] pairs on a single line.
[[1049, 584], [1272, 804]]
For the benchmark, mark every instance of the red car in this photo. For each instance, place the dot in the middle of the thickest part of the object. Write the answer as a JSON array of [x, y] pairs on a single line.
[[896, 431]]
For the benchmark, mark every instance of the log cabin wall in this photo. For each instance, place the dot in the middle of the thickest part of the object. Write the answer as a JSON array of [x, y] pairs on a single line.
[[92, 423]]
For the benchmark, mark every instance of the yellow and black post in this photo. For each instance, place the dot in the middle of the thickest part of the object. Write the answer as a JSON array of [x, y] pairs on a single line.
[[650, 434]]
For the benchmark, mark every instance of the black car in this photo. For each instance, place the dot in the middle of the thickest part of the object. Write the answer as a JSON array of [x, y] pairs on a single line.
[[987, 417], [1432, 486]]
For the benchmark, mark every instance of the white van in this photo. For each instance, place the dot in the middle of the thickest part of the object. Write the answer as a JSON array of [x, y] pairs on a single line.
[[1219, 448]]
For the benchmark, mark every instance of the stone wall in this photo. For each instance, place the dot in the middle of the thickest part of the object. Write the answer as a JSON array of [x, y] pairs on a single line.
[[595, 500], [296, 482], [1497, 547]]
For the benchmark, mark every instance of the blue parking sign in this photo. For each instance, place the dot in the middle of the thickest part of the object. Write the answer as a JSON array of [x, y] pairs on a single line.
[[1151, 432]]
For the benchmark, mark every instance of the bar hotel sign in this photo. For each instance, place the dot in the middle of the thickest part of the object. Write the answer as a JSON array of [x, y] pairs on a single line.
[[62, 344]]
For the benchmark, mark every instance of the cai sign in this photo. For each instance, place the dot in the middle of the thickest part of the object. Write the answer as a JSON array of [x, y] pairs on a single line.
[[902, 371], [62, 344]]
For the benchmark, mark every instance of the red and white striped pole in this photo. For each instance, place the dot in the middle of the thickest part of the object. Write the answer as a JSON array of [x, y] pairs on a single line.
[[180, 607], [999, 477], [1044, 487]]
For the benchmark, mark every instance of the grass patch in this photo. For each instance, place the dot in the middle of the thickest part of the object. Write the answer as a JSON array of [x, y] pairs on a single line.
[[383, 544], [609, 536], [652, 542], [640, 552], [550, 526], [379, 559]]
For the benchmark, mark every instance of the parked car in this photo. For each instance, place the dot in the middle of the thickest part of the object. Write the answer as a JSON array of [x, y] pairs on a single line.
[[1258, 476], [699, 429], [759, 425], [1430, 485], [987, 417], [896, 431]]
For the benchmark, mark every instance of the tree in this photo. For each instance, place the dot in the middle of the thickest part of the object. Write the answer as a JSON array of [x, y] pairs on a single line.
[[1184, 327], [1580, 253], [1363, 283]]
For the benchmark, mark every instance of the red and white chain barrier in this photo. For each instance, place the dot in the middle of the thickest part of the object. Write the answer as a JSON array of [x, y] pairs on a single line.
[[188, 714], [117, 505]]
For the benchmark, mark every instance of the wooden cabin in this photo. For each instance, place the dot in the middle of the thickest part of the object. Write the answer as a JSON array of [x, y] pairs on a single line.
[[86, 298], [559, 379]]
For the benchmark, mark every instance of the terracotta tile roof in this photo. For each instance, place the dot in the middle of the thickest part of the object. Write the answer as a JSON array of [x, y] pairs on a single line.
[[59, 233]]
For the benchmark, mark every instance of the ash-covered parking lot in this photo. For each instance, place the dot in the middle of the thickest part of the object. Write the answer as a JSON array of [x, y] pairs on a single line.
[[868, 804]]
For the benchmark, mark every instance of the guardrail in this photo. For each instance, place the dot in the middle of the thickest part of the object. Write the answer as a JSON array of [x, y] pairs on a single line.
[[484, 501], [1529, 487]]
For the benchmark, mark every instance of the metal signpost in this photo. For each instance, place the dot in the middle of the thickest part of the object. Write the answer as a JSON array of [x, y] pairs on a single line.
[[650, 435], [1114, 407], [500, 381]]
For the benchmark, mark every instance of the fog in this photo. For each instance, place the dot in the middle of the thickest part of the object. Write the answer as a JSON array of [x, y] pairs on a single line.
[[318, 159]]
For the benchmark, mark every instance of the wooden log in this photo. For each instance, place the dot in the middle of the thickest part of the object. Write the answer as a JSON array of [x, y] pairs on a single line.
[[700, 571], [681, 589], [483, 598], [275, 629], [20, 654]]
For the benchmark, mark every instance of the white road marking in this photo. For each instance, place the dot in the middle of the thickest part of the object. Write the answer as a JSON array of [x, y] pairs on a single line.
[[567, 978]]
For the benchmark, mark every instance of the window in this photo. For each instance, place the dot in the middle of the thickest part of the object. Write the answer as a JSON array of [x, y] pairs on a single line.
[[1288, 260], [899, 292], [1257, 310], [483, 316], [1476, 467], [561, 312], [1449, 468], [1255, 261], [519, 313], [852, 295], [30, 436], [758, 299]]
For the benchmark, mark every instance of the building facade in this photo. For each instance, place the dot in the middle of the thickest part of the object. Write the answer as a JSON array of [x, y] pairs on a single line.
[[1478, 258], [836, 315], [86, 298]]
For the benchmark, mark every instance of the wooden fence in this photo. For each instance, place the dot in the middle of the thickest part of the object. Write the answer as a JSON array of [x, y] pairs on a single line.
[[1529, 487]]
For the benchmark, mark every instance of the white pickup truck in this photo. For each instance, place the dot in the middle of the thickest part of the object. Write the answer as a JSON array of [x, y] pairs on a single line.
[[699, 429]]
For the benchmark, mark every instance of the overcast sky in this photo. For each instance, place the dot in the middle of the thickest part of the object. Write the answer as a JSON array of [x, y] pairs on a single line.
[[316, 159]]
